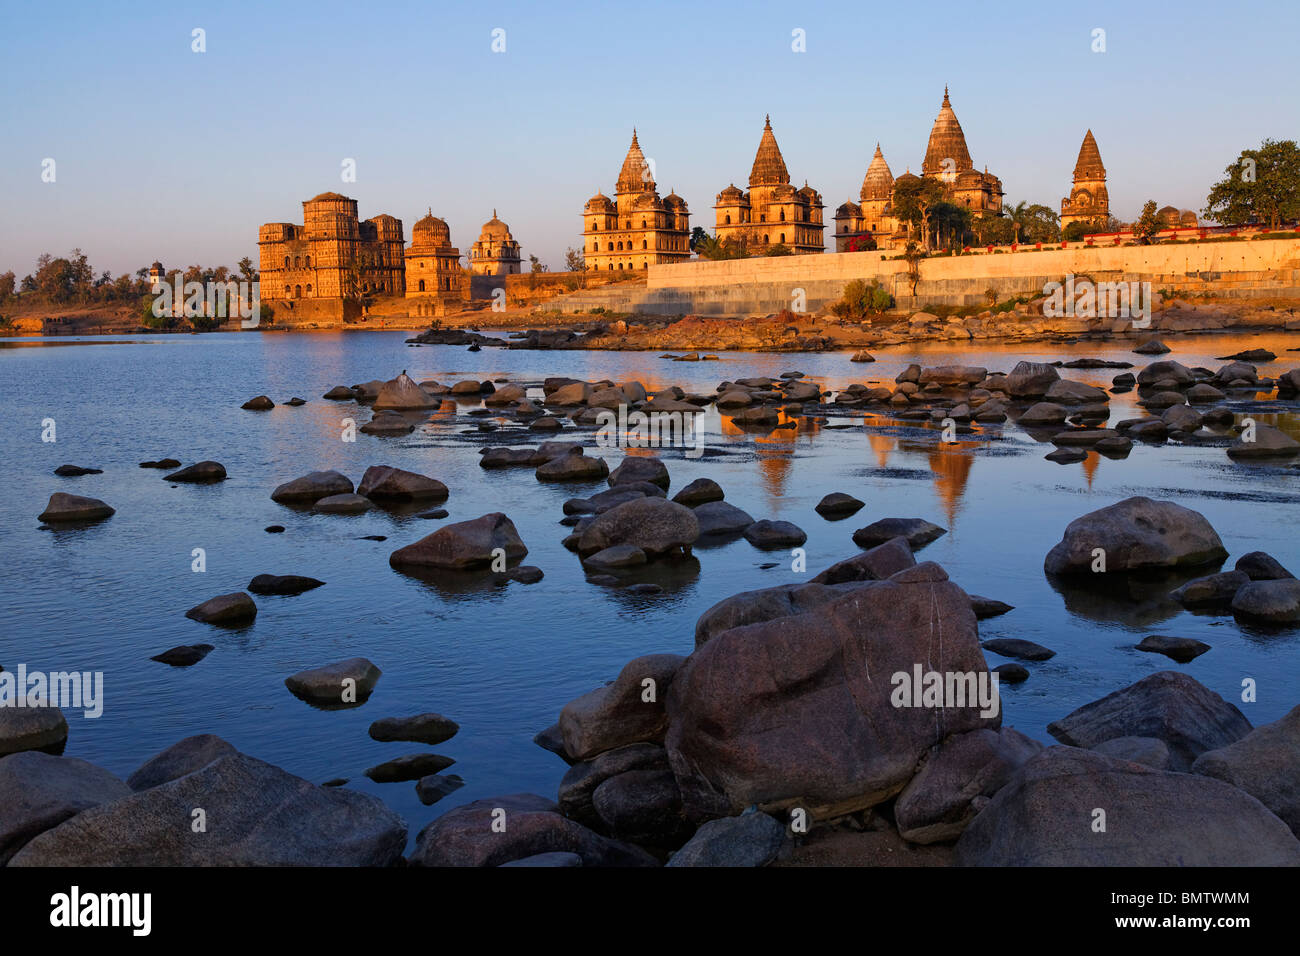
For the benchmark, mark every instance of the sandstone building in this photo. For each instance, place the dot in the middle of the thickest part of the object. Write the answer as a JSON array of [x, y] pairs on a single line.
[[332, 255], [772, 212], [947, 160], [636, 229], [496, 253], [1088, 200], [433, 272]]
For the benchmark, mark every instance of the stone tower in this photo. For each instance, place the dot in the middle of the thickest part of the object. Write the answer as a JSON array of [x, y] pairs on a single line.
[[1088, 200], [946, 154], [496, 253], [772, 212]]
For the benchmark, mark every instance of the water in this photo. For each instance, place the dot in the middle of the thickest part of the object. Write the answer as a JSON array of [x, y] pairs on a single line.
[[502, 661]]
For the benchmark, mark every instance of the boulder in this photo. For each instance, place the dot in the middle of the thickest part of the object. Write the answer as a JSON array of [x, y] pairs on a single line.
[[613, 558], [1268, 602], [463, 546], [507, 395], [1043, 414], [769, 535], [766, 604], [916, 531], [76, 471], [1044, 816], [1168, 705], [1265, 764], [1180, 649], [533, 825], [181, 758], [348, 504], [184, 655], [1066, 392], [32, 728], [721, 517], [1152, 347], [988, 607], [958, 778], [655, 525], [435, 786], [1179, 375], [1019, 648], [38, 792], [387, 423], [636, 468], [575, 393], [282, 584], [388, 483], [420, 728], [1136, 534], [629, 710], [838, 505], [573, 468], [1147, 751], [698, 492], [1211, 591], [953, 375], [875, 564], [409, 767], [64, 507], [259, 404], [582, 779], [1031, 379], [816, 710], [1259, 566], [345, 682], [339, 393], [1268, 442], [227, 610], [258, 815], [468, 388], [199, 473], [311, 487], [749, 840]]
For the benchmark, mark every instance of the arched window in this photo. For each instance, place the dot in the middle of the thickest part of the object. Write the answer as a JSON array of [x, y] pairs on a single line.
[[286, 262], [595, 226], [421, 285], [728, 219], [611, 247], [308, 286], [297, 291], [297, 261], [620, 266], [762, 217], [620, 247], [644, 244], [611, 267], [629, 224], [595, 247], [643, 264], [765, 237], [783, 215], [307, 261], [642, 223], [783, 237], [286, 290]]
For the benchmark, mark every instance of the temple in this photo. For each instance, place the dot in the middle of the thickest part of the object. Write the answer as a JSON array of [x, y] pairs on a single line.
[[772, 213], [636, 229], [496, 253], [1088, 202]]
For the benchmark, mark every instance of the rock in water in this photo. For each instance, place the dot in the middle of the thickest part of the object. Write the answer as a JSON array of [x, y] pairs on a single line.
[[75, 471], [387, 482], [636, 468], [343, 684], [38, 792], [1266, 764], [32, 728], [64, 507], [403, 393], [346, 504], [1267, 442], [186, 655], [259, 404], [1168, 705], [227, 610], [435, 786], [1019, 648], [1152, 819], [1269, 602], [463, 546], [916, 531], [181, 758], [282, 584], [409, 767], [838, 505], [199, 473], [1181, 649], [1031, 379], [311, 487], [768, 535], [875, 564], [267, 817], [421, 728], [817, 710], [620, 713], [655, 525], [1136, 534]]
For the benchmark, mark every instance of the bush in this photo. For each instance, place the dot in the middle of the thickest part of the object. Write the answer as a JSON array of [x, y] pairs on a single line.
[[860, 300]]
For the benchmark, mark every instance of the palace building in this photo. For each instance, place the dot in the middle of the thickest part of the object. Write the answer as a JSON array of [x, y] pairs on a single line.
[[1088, 200], [636, 229], [496, 253], [433, 271], [332, 255], [772, 212]]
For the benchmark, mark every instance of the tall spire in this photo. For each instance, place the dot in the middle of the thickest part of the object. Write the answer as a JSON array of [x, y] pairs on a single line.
[[879, 181], [635, 175], [769, 167], [947, 142], [1088, 167]]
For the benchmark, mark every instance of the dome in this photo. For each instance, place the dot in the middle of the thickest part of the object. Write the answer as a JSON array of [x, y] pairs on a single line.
[[431, 231], [647, 201], [879, 181], [1188, 219], [495, 230], [907, 177], [783, 192], [1168, 214], [599, 203], [731, 195], [970, 177], [947, 142], [674, 201], [847, 210], [328, 197], [810, 194]]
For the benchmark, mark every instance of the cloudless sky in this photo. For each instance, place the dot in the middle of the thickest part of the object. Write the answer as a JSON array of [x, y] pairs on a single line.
[[163, 153]]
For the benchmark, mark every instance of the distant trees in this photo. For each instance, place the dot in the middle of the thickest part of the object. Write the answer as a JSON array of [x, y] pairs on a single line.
[[1148, 224], [698, 235], [861, 299], [537, 265], [1262, 185], [912, 201], [7, 286], [574, 260], [70, 280], [1033, 222], [779, 249], [711, 247]]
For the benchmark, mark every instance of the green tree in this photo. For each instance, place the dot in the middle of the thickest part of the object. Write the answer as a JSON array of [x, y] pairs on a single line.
[[246, 271], [7, 282], [779, 249], [1148, 224], [950, 224], [574, 260], [913, 254], [698, 235], [1041, 224], [1263, 184], [711, 247], [913, 199]]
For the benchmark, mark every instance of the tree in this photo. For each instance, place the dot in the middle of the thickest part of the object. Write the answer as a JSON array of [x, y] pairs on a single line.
[[1040, 224], [1148, 224], [950, 224], [536, 264], [711, 247], [6, 286], [912, 201], [1263, 185], [55, 278], [574, 260], [779, 249], [246, 271], [861, 300], [698, 235], [913, 254]]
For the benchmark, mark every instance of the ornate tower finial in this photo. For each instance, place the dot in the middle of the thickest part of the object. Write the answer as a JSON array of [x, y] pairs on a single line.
[[494, 212], [767, 120]]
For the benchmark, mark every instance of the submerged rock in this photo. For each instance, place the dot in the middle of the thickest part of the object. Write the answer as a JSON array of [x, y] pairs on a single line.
[[201, 472], [463, 546], [311, 487], [186, 655], [282, 584], [916, 531], [389, 483], [344, 683], [63, 507], [1181, 649], [227, 610]]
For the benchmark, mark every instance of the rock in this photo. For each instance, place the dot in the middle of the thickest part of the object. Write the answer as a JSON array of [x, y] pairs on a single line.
[[655, 525], [387, 423], [1259, 566], [1066, 392], [917, 531], [760, 416], [1181, 418], [339, 393], [1168, 705], [957, 780], [259, 815], [227, 610], [551, 739], [987, 607], [75, 471], [1114, 447], [1147, 751], [435, 786], [469, 388], [463, 546], [311, 487], [582, 779], [282, 584], [389, 483], [615, 557], [525, 574], [1151, 430], [1011, 673], [698, 492], [1019, 648], [1181, 649], [1031, 379], [618, 714], [533, 826], [1269, 442], [1136, 534], [259, 404], [161, 463], [800, 711], [274, 529], [643, 807], [1152, 347], [875, 564], [348, 504], [573, 468], [1268, 602], [1265, 764], [1211, 591], [63, 507], [1175, 374], [344, 683], [862, 355], [408, 767], [1204, 394], [1164, 399], [201, 472], [32, 728], [1041, 818], [838, 505], [547, 860], [635, 469], [545, 423], [38, 792], [1067, 456], [507, 395], [186, 655], [748, 840], [720, 517], [181, 758], [768, 535], [421, 728], [575, 393], [953, 375], [1043, 414]]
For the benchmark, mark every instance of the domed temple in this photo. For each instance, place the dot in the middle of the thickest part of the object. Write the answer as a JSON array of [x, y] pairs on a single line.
[[332, 255], [1088, 200], [433, 269], [636, 229], [772, 212], [947, 160], [496, 253]]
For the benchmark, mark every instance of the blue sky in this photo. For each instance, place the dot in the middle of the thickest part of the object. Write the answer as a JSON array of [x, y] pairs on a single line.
[[166, 153]]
